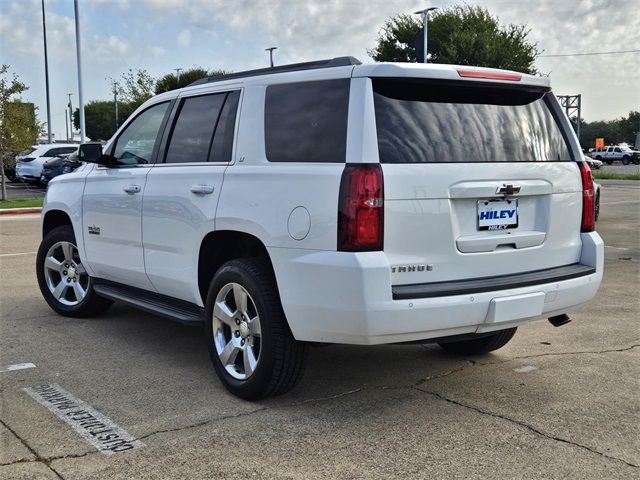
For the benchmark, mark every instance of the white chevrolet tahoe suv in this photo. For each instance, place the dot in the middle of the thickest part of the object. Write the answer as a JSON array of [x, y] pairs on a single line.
[[331, 202]]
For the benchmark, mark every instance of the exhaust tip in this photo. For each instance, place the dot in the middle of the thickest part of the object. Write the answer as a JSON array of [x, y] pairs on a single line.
[[559, 320]]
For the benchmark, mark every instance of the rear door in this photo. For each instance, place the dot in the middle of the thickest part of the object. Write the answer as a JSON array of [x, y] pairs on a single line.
[[479, 181], [183, 188]]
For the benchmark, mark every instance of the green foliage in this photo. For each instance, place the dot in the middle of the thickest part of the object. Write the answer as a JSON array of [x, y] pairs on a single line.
[[100, 119], [600, 175], [461, 35], [135, 86], [170, 80], [395, 40], [18, 125], [620, 130]]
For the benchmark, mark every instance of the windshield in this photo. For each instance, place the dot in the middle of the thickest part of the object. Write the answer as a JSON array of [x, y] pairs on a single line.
[[419, 122]]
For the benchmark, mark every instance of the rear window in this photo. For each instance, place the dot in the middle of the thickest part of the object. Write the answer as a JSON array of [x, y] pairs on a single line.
[[307, 121], [448, 123]]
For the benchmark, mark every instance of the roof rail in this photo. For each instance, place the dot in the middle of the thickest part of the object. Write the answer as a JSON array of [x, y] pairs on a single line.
[[293, 67]]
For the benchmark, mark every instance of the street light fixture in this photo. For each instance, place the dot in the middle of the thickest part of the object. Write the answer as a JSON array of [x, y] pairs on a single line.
[[178, 70], [425, 22], [270, 50], [46, 73]]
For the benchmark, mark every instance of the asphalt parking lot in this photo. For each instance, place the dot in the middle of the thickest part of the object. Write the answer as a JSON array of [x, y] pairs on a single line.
[[17, 190], [554, 403]]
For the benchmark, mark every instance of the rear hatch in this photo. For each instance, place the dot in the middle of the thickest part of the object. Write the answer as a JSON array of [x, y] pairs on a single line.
[[479, 180]]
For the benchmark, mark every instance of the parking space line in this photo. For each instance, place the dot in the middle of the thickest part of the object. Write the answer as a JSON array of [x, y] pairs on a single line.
[[17, 366], [21, 254], [615, 248], [95, 428]]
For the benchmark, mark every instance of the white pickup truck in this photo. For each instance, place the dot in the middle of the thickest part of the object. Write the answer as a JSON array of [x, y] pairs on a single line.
[[331, 202], [616, 153]]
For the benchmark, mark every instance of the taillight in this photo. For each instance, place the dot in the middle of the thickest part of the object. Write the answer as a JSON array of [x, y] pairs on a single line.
[[588, 223], [361, 209]]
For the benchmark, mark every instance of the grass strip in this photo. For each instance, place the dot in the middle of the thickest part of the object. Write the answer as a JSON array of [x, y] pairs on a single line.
[[22, 203]]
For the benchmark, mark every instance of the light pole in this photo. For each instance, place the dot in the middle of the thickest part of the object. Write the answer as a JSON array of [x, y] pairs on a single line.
[[79, 60], [178, 70], [46, 74], [70, 115], [425, 23], [270, 50]]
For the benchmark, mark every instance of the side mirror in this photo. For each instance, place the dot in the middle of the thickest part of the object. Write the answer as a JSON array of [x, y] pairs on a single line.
[[90, 152]]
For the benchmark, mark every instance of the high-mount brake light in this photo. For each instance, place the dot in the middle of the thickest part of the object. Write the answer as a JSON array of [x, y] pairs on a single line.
[[588, 223], [361, 209], [515, 77]]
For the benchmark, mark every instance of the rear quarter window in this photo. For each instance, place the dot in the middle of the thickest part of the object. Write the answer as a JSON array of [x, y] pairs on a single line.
[[307, 121], [421, 122]]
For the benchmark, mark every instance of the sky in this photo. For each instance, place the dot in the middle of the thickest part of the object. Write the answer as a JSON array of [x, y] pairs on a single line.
[[160, 35]]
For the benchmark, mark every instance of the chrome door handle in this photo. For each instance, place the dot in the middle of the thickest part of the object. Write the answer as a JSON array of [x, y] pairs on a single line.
[[202, 189], [131, 188]]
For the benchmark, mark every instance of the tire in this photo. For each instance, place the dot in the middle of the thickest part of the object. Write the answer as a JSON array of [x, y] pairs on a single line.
[[478, 346], [252, 360], [59, 245], [598, 157], [626, 160]]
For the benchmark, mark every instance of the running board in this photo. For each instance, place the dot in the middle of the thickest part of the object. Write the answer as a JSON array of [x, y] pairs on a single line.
[[168, 307]]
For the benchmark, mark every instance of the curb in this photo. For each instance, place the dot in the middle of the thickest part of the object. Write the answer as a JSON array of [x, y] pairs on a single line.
[[19, 211]]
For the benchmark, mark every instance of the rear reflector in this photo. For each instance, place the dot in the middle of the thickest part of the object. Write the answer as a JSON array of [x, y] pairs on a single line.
[[588, 223], [516, 77], [361, 209]]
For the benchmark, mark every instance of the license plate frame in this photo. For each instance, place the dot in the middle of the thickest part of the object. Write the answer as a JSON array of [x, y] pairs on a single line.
[[497, 215]]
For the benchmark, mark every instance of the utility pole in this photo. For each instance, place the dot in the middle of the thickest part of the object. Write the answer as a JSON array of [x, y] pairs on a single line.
[[425, 23], [115, 101], [270, 50], [66, 123], [572, 105], [178, 70], [70, 115], [79, 60], [46, 74]]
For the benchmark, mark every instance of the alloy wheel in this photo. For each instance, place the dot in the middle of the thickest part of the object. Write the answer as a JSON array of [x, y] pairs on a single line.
[[65, 276], [236, 331]]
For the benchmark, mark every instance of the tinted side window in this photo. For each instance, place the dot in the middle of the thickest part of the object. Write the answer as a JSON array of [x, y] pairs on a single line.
[[192, 134], [617, 150], [307, 121], [135, 144], [223, 140]]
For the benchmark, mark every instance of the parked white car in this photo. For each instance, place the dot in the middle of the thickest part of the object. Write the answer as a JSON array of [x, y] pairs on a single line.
[[29, 166], [331, 202]]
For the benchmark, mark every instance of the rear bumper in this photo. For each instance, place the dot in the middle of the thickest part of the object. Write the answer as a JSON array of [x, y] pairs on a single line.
[[340, 297]]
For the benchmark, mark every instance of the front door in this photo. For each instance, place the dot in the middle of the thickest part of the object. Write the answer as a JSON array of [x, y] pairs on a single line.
[[183, 188], [112, 202]]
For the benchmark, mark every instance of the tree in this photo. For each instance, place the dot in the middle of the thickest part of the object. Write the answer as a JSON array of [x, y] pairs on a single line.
[[170, 80], [135, 86], [18, 125], [100, 118], [620, 130], [461, 35]]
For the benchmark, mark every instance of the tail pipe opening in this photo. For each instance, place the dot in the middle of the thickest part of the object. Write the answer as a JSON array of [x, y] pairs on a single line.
[[559, 320]]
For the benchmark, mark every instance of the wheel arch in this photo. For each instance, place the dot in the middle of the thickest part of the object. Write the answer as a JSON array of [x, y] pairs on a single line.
[[220, 246], [53, 219]]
